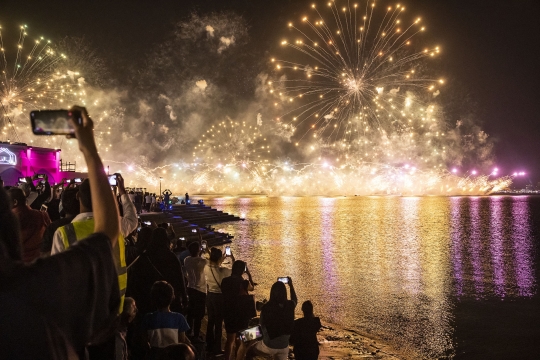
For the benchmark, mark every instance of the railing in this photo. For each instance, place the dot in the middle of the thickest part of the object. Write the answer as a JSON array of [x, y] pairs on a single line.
[[67, 166]]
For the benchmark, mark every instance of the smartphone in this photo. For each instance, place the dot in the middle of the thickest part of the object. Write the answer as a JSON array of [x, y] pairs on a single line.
[[228, 250], [169, 224], [22, 180], [203, 244], [194, 230], [77, 180], [54, 122], [40, 176], [147, 223], [283, 279], [112, 180], [43, 208], [250, 334]]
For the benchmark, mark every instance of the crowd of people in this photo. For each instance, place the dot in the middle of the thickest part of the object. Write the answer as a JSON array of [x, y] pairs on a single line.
[[83, 278]]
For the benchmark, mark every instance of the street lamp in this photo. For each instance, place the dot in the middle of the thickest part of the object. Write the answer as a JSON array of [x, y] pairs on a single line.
[[160, 185]]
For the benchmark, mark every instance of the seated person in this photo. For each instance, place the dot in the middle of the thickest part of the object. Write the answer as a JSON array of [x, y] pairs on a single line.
[[163, 327]]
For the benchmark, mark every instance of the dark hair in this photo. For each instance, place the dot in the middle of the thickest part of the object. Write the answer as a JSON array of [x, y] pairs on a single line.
[[307, 308], [160, 240], [70, 204], [278, 293], [194, 248], [85, 196], [161, 294], [238, 268], [215, 254], [10, 245], [143, 239], [16, 193]]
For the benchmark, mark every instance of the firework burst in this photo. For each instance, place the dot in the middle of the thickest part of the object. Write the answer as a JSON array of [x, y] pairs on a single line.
[[29, 81], [353, 71]]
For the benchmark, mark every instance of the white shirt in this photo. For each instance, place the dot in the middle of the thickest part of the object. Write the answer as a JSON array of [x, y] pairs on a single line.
[[128, 223], [153, 199], [194, 267], [148, 199], [214, 277]]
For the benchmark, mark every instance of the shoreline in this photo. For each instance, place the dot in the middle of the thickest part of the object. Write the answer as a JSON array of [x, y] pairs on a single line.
[[338, 342]]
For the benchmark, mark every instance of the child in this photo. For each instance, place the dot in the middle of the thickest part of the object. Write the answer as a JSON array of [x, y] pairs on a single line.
[[304, 335], [163, 327]]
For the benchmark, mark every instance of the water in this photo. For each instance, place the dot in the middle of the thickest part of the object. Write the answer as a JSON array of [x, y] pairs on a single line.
[[434, 276]]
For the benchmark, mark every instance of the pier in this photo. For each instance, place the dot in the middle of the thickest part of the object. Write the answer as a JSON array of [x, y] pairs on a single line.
[[188, 221]]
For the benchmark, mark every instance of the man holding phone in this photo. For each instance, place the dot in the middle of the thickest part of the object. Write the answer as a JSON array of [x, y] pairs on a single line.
[[194, 266]]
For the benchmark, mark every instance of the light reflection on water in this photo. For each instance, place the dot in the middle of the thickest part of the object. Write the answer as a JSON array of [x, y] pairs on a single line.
[[393, 267]]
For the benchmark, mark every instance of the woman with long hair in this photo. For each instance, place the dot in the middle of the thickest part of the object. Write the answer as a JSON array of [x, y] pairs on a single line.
[[277, 321]]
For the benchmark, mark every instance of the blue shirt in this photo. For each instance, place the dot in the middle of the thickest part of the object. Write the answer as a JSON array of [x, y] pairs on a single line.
[[163, 328]]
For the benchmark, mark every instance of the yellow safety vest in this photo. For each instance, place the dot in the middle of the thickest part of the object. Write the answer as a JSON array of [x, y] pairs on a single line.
[[75, 231]]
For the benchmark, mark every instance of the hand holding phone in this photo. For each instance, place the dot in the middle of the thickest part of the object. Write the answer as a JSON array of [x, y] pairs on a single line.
[[203, 244]]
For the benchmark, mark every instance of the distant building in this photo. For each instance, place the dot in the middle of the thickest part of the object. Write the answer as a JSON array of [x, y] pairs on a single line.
[[20, 160]]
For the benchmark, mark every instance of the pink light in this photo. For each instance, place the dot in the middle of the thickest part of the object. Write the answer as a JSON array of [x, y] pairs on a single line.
[[454, 170], [473, 172], [515, 174]]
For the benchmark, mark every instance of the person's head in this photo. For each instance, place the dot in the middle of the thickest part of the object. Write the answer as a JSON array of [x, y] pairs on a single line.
[[85, 196], [70, 203], [278, 293], [307, 308], [17, 197], [129, 311], [161, 294], [10, 245], [144, 238], [178, 352], [194, 249], [160, 239], [238, 268], [215, 254]]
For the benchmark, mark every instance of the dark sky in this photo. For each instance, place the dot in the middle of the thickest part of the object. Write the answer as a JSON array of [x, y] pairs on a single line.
[[493, 47]]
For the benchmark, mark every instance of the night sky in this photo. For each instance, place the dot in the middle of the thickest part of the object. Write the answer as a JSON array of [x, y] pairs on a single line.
[[492, 47]]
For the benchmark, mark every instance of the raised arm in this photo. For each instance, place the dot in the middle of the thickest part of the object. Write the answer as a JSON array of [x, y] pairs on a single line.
[[103, 202]]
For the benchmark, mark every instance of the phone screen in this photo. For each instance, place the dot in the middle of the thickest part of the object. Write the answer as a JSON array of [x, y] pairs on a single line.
[[283, 279], [228, 250], [253, 333], [53, 122], [22, 180], [147, 223], [112, 180], [203, 244], [78, 180]]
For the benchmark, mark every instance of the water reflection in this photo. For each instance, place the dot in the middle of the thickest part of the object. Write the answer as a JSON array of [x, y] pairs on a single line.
[[389, 266]]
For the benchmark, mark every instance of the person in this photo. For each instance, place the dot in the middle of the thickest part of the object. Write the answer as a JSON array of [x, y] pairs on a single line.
[[187, 199], [33, 224], [277, 321], [163, 327], [148, 200], [194, 267], [215, 273], [304, 334], [44, 195], [153, 204], [157, 263], [57, 305], [71, 208], [143, 239], [239, 306], [82, 224]]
